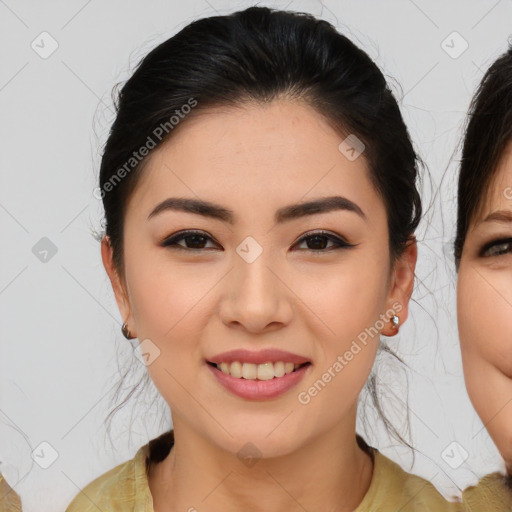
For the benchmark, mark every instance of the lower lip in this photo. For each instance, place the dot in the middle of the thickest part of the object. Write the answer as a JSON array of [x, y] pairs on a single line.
[[259, 389]]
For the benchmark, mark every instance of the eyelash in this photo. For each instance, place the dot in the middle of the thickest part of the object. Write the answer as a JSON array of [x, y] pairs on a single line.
[[171, 242], [507, 242]]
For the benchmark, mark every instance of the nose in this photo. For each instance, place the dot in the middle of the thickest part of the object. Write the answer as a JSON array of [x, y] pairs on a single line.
[[256, 297]]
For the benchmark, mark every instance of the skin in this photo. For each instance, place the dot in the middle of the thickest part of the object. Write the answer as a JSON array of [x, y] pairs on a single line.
[[484, 303], [194, 305]]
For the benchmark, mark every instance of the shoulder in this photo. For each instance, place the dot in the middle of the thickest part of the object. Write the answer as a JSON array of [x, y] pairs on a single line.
[[392, 488], [122, 488], [9, 500], [125, 487], [493, 492]]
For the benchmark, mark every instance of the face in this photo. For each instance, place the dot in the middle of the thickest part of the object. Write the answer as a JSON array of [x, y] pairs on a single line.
[[484, 300], [257, 274]]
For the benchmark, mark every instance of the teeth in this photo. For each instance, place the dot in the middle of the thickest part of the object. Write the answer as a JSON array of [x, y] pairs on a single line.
[[250, 371]]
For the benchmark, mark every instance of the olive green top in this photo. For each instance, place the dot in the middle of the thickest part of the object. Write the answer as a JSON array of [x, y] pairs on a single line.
[[9, 500], [125, 487]]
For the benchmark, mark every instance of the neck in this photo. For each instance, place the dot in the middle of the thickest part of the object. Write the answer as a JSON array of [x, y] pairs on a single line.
[[329, 472]]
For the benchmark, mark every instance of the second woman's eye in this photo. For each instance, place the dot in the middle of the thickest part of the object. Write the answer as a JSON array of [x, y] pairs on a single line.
[[497, 248]]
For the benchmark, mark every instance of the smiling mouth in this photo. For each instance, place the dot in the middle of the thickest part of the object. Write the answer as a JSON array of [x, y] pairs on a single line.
[[265, 371]]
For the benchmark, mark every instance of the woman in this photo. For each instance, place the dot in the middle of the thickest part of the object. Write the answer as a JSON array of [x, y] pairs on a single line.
[[260, 196], [483, 254]]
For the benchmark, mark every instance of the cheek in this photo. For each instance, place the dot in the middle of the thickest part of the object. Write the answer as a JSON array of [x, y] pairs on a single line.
[[168, 307], [484, 310], [357, 294], [163, 295], [347, 305]]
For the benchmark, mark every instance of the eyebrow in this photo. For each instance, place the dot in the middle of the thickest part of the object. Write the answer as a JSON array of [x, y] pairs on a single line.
[[500, 216], [284, 214]]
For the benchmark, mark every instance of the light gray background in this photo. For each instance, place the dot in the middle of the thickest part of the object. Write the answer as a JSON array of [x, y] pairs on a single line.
[[60, 337]]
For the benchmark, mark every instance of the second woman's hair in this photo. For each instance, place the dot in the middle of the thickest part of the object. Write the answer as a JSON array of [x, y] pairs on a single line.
[[488, 132]]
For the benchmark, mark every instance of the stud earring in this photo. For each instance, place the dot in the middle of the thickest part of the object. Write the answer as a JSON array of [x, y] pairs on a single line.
[[126, 332], [396, 321]]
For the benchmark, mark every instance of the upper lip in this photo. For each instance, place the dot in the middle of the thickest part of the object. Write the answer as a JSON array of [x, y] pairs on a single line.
[[258, 357]]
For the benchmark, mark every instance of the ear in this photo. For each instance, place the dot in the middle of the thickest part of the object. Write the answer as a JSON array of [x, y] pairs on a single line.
[[123, 303], [401, 285]]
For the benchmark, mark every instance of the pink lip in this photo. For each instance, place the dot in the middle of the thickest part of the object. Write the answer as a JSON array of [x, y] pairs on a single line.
[[259, 389], [260, 357]]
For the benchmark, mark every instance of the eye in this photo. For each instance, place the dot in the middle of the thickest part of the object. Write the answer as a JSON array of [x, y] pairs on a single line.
[[319, 239], [497, 248], [194, 240]]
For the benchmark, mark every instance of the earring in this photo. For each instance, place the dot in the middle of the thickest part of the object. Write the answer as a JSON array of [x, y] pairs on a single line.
[[395, 321], [126, 332]]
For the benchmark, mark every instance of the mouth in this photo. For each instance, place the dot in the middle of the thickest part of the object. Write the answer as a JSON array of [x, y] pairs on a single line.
[[258, 381], [258, 372]]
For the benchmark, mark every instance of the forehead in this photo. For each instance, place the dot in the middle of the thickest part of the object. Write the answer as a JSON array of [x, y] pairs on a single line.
[[280, 151]]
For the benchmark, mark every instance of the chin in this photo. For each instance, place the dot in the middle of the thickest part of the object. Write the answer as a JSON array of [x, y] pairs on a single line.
[[256, 443]]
